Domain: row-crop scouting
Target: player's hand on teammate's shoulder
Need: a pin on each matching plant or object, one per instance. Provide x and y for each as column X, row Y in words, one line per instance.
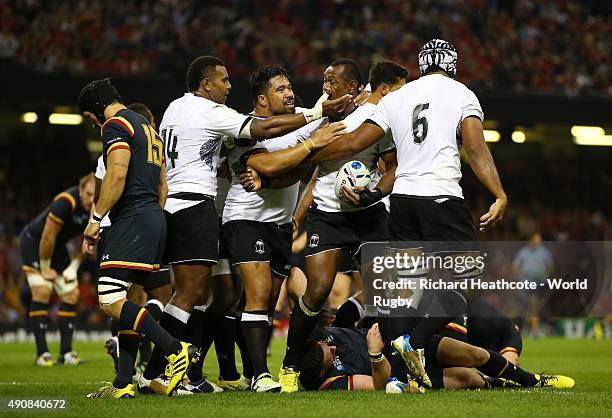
column 362, row 97
column 250, row 180
column 374, row 340
column 327, row 134
column 494, row 215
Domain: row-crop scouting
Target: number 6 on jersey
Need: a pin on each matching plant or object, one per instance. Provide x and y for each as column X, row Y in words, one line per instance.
column 419, row 123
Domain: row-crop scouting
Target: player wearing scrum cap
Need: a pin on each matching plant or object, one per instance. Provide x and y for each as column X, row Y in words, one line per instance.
column 431, row 119
column 193, row 128
column 130, row 192
column 157, row 286
column 332, row 225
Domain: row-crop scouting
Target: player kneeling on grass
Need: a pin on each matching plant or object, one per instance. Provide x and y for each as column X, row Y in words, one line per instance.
column 350, row 359
column 133, row 155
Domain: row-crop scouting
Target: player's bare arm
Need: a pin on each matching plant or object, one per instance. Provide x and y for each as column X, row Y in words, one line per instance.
column 271, row 164
column 163, row 186
column 381, row 369
column 112, row 187
column 359, row 196
column 251, row 181
column 47, row 246
column 350, row 144
column 283, row 124
column 482, row 164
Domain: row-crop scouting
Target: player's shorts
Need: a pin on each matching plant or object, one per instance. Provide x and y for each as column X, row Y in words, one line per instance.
column 424, row 219
column 134, row 243
column 157, row 279
column 193, row 234
column 223, row 264
column 336, row 230
column 28, row 246
column 153, row 281
column 348, row 264
column 252, row 241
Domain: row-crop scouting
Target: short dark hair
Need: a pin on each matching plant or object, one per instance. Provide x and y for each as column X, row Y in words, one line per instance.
column 311, row 364
column 386, row 72
column 351, row 69
column 141, row 109
column 199, row 69
column 260, row 79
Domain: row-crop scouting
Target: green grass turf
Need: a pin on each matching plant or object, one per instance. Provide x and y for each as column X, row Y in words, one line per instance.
column 588, row 361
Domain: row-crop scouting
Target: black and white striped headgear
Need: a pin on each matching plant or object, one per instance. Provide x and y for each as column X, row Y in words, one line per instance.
column 438, row 54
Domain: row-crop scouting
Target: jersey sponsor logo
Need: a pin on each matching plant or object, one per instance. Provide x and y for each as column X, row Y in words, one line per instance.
column 314, row 241
column 259, row 247
column 338, row 364
column 207, row 151
column 106, row 257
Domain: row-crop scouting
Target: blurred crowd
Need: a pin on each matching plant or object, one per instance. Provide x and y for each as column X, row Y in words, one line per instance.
column 563, row 197
column 549, row 46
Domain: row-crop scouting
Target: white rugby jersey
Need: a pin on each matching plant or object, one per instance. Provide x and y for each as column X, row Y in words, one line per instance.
column 324, row 193
column 193, row 129
column 100, row 173
column 265, row 205
column 425, row 118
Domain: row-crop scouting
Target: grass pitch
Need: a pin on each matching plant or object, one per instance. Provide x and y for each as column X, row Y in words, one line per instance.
column 587, row 361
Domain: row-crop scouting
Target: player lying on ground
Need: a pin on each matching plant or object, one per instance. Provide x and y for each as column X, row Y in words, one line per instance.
column 47, row 266
column 353, row 359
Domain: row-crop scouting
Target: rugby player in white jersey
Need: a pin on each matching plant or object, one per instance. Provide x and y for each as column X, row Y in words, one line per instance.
column 193, row 128
column 332, row 225
column 257, row 227
column 431, row 119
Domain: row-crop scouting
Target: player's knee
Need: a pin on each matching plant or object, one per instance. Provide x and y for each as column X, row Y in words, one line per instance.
column 111, row 291
column 71, row 297
column 41, row 293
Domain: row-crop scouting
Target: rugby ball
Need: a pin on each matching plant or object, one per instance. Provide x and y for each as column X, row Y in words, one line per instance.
column 352, row 174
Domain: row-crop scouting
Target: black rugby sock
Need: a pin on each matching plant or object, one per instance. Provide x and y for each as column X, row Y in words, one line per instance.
column 301, row 324
column 39, row 322
column 139, row 320
column 498, row 366
column 155, row 309
column 128, row 349
column 66, row 322
column 255, row 330
column 247, row 365
column 225, row 339
column 173, row 326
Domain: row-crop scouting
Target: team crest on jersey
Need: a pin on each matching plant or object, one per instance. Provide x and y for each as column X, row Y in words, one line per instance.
column 314, row 241
column 207, row 151
column 259, row 247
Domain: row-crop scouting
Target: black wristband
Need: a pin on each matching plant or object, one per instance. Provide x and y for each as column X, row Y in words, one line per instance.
column 96, row 218
column 368, row 197
column 376, row 357
column 265, row 182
